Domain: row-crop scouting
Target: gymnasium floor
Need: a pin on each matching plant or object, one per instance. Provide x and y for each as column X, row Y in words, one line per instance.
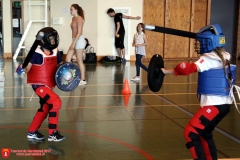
column 100, row 125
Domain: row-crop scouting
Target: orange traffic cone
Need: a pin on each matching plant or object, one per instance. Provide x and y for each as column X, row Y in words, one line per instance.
column 126, row 88
column 126, row 99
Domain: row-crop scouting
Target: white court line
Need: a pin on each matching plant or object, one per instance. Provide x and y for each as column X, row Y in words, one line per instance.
column 2, row 78
column 190, row 114
column 4, row 69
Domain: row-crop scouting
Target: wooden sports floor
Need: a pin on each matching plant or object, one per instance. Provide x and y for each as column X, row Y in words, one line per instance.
column 100, row 124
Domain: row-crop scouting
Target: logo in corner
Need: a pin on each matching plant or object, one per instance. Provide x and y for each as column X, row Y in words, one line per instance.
column 6, row 152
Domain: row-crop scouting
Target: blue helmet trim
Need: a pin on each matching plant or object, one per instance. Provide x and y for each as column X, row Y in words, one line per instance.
column 210, row 37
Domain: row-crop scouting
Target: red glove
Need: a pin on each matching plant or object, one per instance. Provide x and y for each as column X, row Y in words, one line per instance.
column 185, row 68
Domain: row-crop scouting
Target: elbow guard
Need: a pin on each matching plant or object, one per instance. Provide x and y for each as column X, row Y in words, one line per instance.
column 185, row 68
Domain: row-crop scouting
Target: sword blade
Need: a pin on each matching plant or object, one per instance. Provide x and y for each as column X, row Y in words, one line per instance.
column 171, row 31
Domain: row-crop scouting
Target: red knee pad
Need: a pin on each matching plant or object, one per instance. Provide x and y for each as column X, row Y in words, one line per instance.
column 49, row 96
column 185, row 68
column 57, row 103
column 200, row 119
column 189, row 128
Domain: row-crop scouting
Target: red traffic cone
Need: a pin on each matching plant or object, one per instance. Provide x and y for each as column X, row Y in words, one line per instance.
column 126, row 88
column 126, row 99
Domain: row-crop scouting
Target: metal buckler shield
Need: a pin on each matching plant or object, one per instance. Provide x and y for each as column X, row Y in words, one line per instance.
column 155, row 74
column 67, row 76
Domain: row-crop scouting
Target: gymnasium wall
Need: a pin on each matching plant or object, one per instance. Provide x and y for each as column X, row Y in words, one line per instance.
column 106, row 32
column 98, row 27
column 187, row 15
column 35, row 12
column 225, row 14
column 6, row 24
column 238, row 32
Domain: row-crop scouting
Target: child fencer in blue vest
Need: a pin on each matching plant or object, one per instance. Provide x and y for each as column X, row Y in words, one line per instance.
column 216, row 78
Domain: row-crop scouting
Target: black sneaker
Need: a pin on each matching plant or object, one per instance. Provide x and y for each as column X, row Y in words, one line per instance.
column 55, row 136
column 35, row 135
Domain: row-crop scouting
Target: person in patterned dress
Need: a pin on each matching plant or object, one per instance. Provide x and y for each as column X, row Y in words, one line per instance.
column 140, row 43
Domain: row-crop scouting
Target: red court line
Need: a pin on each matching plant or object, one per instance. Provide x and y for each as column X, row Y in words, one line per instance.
column 149, row 157
column 145, row 154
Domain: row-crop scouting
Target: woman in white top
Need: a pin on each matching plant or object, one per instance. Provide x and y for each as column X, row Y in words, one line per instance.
column 139, row 42
column 78, row 42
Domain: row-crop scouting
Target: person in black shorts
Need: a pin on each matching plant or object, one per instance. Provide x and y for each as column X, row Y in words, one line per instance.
column 120, row 31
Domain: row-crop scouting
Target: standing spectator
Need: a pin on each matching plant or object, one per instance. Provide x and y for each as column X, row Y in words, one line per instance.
column 78, row 42
column 139, row 42
column 120, row 31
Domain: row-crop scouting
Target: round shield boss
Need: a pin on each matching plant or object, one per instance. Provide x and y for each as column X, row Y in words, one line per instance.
column 67, row 76
column 155, row 74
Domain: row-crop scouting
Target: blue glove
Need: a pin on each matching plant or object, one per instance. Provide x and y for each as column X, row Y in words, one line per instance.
column 20, row 70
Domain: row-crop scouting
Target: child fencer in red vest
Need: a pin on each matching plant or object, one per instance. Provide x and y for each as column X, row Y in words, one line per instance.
column 215, row 79
column 40, row 74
